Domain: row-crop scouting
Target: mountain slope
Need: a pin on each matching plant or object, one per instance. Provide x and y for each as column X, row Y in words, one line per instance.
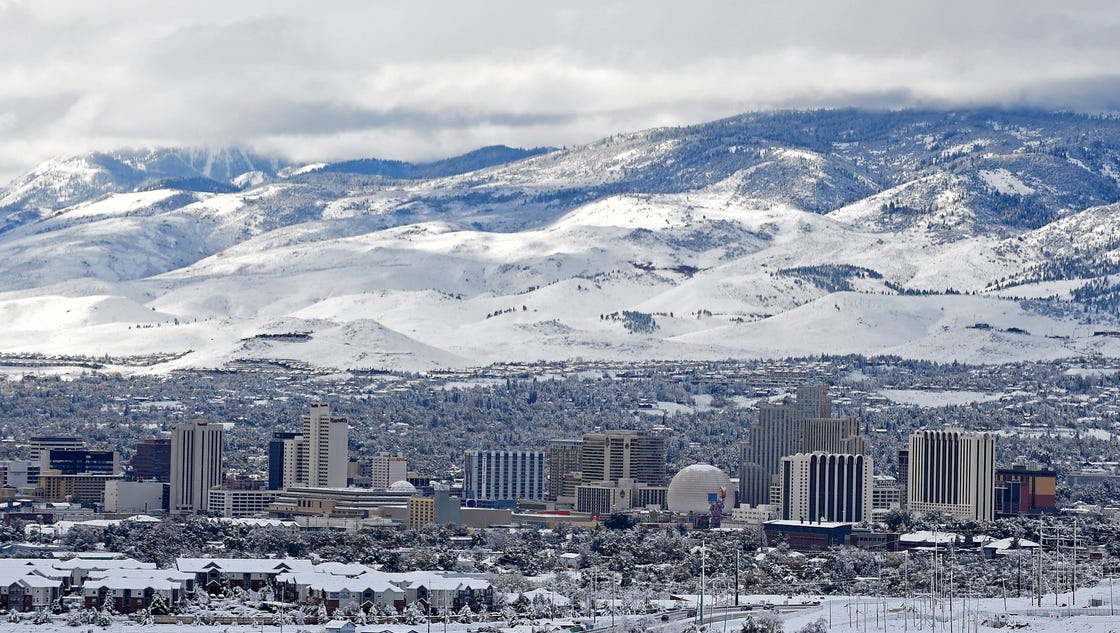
column 760, row 235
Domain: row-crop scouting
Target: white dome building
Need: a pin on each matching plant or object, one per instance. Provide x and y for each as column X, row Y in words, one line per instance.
column 689, row 489
column 401, row 487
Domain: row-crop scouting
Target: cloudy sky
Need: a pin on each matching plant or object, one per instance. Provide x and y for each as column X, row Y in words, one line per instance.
column 419, row 80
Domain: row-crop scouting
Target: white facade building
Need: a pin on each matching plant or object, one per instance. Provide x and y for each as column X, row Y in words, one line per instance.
column 133, row 496
column 196, row 464
column 492, row 475
column 952, row 471
column 826, row 487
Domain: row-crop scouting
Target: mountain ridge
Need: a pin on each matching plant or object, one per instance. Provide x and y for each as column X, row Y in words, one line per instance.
column 765, row 234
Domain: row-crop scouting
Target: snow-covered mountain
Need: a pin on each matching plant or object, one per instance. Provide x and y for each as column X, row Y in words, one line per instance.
column 980, row 236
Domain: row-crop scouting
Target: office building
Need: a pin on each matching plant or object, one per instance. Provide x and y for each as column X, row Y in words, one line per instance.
column 886, row 495
column 83, row 488
column 235, row 502
column 19, row 474
column 276, row 458
column 903, row 475
column 952, row 471
column 616, row 455
column 503, row 475
column 151, row 461
column 75, row 461
column 196, row 465
column 806, row 537
column 563, row 460
column 38, row 443
column 442, row 509
column 386, row 470
column 787, row 428
column 819, row 487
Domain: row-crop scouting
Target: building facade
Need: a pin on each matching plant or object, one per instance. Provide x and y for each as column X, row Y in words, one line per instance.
column 952, row 471
column 75, row 461
column 196, row 464
column 616, row 455
column 151, row 461
column 604, row 498
column 386, row 470
column 787, row 428
column 826, row 487
column 319, row 455
column 276, row 458
column 1025, row 489
column 503, row 475
column 563, row 461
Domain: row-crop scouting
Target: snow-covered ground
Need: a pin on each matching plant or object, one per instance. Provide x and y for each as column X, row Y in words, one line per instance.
column 1057, row 614
column 937, row 398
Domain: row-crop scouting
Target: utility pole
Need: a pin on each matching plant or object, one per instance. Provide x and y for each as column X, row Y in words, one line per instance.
column 737, row 553
column 703, row 579
column 1073, row 581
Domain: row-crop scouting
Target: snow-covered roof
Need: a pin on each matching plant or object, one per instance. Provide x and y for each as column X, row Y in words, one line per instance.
column 371, row 582
column 244, row 565
column 343, row 569
column 79, row 562
column 27, row 575
column 126, row 582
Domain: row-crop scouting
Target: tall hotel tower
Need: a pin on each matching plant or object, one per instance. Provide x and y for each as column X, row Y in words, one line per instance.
column 952, row 471
column 196, row 465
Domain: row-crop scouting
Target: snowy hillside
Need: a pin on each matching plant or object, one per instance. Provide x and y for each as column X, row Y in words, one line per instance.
column 979, row 236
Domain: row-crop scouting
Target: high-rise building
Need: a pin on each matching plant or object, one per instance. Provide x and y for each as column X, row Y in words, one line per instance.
column 623, row 454
column 831, row 487
column 776, row 433
column 903, row 475
column 503, row 475
column 788, row 428
column 40, row 442
column 952, row 471
column 327, row 449
column 563, row 460
column 834, row 435
column 813, row 402
column 318, row 456
column 276, row 458
column 152, row 460
column 386, row 470
column 196, row 464
column 75, row 461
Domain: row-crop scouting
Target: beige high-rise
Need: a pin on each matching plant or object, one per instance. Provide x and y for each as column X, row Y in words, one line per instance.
column 788, row 428
column 196, row 465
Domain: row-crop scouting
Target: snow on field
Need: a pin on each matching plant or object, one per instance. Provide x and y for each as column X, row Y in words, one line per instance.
column 1004, row 182
column 928, row 399
column 1091, row 371
column 1100, row 434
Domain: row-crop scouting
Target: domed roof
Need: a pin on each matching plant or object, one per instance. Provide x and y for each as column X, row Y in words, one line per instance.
column 401, row 486
column 689, row 489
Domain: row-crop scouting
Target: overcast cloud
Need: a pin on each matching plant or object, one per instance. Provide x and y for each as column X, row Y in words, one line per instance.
column 419, row 80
